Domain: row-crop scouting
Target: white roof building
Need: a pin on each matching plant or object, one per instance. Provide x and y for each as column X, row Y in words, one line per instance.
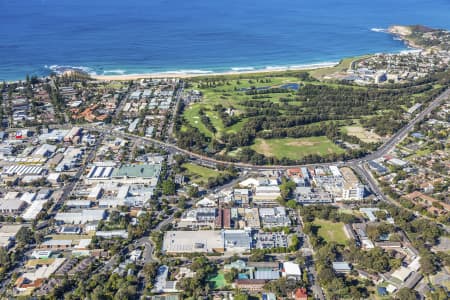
column 205, row 241
column 78, row 203
column 335, row 171
column 33, row 210
column 54, row 178
column 291, row 270
column 12, row 206
column 81, row 217
column 402, row 274
column 54, row 135
column 45, row 150
column 23, row 170
column 415, row 264
column 113, row 233
column 206, row 202
column 28, row 197
column 8, row 234
column 249, row 182
column 391, row 288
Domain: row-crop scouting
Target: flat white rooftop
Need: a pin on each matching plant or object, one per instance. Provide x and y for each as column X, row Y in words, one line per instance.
column 192, row 241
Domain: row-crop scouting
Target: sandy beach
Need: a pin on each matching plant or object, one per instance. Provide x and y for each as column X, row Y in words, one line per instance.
column 190, row 75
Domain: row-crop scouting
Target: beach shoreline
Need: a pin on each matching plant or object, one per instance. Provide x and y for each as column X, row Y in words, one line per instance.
column 184, row 75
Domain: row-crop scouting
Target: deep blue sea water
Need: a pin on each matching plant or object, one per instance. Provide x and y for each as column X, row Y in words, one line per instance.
column 141, row 36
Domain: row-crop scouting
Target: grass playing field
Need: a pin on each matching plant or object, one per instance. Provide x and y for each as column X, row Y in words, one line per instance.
column 331, row 232
column 199, row 174
column 361, row 133
column 295, row 148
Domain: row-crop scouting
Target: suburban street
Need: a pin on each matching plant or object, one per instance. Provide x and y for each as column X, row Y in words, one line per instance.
column 68, row 188
column 308, row 253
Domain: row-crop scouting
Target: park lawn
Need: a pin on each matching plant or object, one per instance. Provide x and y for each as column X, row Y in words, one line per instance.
column 293, row 148
column 331, row 232
column 73, row 237
column 218, row 281
column 200, row 174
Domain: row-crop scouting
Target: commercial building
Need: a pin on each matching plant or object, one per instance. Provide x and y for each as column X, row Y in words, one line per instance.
column 237, row 240
column 266, row 195
column 291, row 271
column 274, row 217
column 241, row 196
column 202, row 241
column 34, row 209
column 12, row 206
column 199, row 217
column 8, row 235
column 112, row 234
column 308, row 195
column 100, row 173
column 137, row 174
column 45, row 151
column 28, row 281
column 72, row 134
column 81, row 217
column 23, row 170
column 353, row 192
column 352, row 189
column 56, row 245
column 268, row 240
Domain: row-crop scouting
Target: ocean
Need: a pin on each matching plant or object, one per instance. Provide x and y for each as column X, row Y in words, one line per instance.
column 198, row 36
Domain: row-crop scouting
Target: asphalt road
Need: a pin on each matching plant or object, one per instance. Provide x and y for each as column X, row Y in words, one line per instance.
column 178, row 96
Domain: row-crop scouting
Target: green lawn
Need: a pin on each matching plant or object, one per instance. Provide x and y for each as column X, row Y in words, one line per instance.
column 295, row 148
column 200, row 174
column 331, row 232
column 218, row 281
column 73, row 237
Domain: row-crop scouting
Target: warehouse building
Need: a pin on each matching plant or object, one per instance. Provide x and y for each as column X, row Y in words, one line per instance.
column 193, row 241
